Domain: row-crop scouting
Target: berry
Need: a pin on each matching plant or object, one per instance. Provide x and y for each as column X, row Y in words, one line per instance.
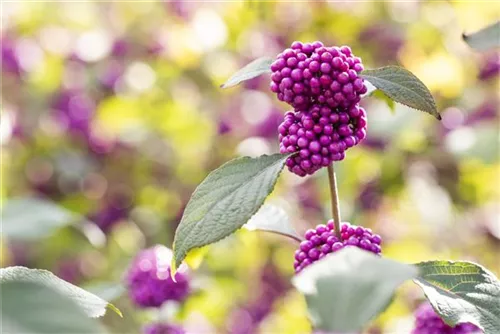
column 308, row 73
column 148, row 278
column 322, row 241
column 320, row 135
column 161, row 328
column 427, row 321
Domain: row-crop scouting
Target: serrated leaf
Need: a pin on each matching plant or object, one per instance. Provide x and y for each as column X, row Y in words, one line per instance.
column 254, row 69
column 484, row 39
column 29, row 307
column 271, row 218
column 402, row 86
column 34, row 218
column 90, row 304
column 462, row 292
column 347, row 289
column 226, row 200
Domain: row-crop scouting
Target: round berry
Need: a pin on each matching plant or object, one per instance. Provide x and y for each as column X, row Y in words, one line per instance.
column 322, row 241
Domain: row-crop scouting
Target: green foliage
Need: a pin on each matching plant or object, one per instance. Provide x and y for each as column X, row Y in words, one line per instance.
column 31, row 307
column 347, row 289
column 34, row 218
column 402, row 86
column 462, row 292
column 226, row 200
column 254, row 69
column 271, row 218
column 484, row 39
column 90, row 304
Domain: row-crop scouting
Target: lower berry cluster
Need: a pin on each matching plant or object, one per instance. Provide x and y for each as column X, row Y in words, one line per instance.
column 322, row 241
column 427, row 321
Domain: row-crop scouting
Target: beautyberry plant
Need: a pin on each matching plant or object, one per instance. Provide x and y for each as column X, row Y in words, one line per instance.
column 334, row 263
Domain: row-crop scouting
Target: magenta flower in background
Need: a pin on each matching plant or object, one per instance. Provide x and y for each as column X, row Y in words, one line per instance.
column 490, row 67
column 428, row 322
column 272, row 286
column 74, row 109
column 161, row 328
column 148, row 278
column 10, row 61
column 109, row 216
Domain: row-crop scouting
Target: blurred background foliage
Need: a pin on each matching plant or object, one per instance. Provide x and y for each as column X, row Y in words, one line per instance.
column 113, row 110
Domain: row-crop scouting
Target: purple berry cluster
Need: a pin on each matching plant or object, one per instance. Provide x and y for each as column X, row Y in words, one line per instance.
column 427, row 321
column 322, row 241
column 161, row 328
column 148, row 278
column 311, row 73
column 323, row 86
column 320, row 135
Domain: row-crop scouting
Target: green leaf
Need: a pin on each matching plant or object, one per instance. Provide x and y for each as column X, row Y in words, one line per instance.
column 271, row 218
column 33, row 218
column 254, row 69
column 347, row 289
column 29, row 307
column 462, row 292
column 402, row 86
column 226, row 200
column 484, row 39
column 90, row 304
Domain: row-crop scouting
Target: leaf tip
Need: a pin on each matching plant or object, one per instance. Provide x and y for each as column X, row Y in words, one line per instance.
column 115, row 309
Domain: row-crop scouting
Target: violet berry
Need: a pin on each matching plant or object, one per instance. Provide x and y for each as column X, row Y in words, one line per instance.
column 322, row 241
column 319, row 136
column 162, row 328
column 148, row 278
column 427, row 321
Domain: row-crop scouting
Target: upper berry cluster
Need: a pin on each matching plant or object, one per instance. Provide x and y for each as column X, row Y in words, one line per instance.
column 323, row 86
column 311, row 73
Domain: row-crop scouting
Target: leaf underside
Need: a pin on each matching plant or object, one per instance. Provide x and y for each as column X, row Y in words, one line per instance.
column 347, row 289
column 91, row 305
column 254, row 69
column 484, row 39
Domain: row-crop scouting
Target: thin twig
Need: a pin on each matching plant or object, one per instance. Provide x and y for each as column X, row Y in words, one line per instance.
column 335, row 200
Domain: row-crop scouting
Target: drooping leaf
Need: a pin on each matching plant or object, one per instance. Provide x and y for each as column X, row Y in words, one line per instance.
column 226, row 200
column 347, row 289
column 271, row 218
column 402, row 86
column 484, row 39
column 34, row 218
column 462, row 292
column 254, row 69
column 90, row 304
column 29, row 307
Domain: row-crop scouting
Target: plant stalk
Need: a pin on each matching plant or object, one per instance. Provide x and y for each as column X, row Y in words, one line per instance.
column 335, row 200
